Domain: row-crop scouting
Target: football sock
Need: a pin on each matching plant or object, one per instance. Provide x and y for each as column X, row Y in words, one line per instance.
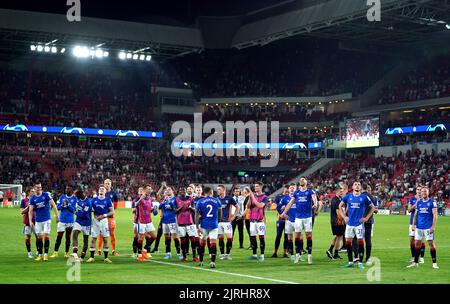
column 194, row 246
column 229, row 245
column 46, row 245
column 39, row 245
column 221, row 245
column 348, row 245
column 201, row 250
column 309, row 244
column 167, row 244
column 422, row 250
column 177, row 245
column 148, row 242
column 135, row 242
column 361, row 250
column 140, row 247
column 416, row 255
column 291, row 247
column 213, row 252
column 331, row 248
column 183, row 247
column 58, row 240
column 28, row 245
column 433, row 254
column 68, row 233
column 92, row 251
column 105, row 252
column 412, row 248
column 262, row 244
column 298, row 250
column 254, row 244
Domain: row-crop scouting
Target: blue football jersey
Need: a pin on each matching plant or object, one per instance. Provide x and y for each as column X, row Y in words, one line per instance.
column 356, row 206
column 84, row 212
column 208, row 208
column 67, row 214
column 168, row 207
column 425, row 213
column 304, row 203
column 41, row 204
column 411, row 202
column 101, row 206
column 226, row 202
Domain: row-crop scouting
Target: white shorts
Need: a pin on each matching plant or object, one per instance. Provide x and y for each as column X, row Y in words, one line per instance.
column 43, row 227
column 27, row 230
column 289, row 227
column 225, row 228
column 304, row 224
column 100, row 227
column 170, row 228
column 411, row 232
column 85, row 229
column 211, row 233
column 61, row 227
column 190, row 230
column 420, row 234
column 352, row 231
column 257, row 228
column 144, row 228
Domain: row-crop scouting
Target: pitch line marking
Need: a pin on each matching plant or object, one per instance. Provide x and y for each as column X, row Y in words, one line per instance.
column 224, row 272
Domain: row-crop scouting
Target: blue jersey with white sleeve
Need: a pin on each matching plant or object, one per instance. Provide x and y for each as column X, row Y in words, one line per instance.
column 425, row 213
column 101, row 206
column 208, row 208
column 84, row 212
column 304, row 203
column 356, row 206
column 41, row 204
column 67, row 206
column 411, row 202
column 168, row 206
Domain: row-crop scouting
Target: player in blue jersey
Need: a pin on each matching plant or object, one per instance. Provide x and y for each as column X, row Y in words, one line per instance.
column 112, row 195
column 305, row 200
column 424, row 226
column 281, row 223
column 82, row 224
column 103, row 209
column 207, row 213
column 169, row 222
column 412, row 202
column 225, row 227
column 354, row 204
column 66, row 206
column 41, row 203
column 289, row 226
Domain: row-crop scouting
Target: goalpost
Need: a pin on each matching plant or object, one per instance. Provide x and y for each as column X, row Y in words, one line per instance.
column 16, row 192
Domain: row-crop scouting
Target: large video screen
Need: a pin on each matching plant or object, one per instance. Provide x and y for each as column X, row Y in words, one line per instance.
column 363, row 132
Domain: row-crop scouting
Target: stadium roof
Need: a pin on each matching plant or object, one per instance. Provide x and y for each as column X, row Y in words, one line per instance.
column 403, row 22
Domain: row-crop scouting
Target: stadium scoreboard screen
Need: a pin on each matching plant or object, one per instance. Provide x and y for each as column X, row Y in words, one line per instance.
column 362, row 132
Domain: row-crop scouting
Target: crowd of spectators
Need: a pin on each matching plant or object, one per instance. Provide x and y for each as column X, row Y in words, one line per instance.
column 430, row 80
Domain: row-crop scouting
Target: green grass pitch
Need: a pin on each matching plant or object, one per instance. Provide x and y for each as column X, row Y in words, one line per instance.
column 390, row 245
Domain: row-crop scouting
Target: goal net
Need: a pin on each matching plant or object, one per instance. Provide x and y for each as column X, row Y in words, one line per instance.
column 10, row 194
